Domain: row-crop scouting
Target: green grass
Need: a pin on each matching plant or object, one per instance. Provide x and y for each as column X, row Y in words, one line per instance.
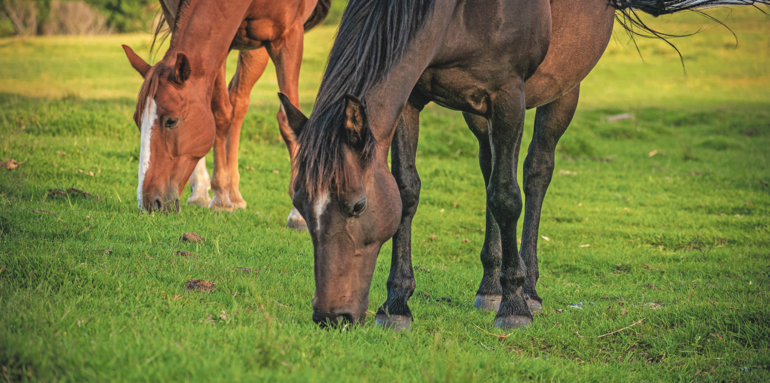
column 679, row 239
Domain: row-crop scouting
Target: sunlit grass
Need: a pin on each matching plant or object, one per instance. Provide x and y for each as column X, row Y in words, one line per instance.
column 678, row 239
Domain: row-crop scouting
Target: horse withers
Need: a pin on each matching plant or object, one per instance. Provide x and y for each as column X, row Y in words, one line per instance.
column 490, row 60
column 181, row 115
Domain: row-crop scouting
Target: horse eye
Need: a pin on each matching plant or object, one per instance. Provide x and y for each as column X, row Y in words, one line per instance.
column 171, row 122
column 359, row 207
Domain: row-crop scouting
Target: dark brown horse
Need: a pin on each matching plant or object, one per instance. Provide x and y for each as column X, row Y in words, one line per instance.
column 490, row 59
column 184, row 107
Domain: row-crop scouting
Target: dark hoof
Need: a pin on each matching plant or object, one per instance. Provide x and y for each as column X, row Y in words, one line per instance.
column 295, row 221
column 512, row 322
column 396, row 323
column 488, row 302
column 534, row 306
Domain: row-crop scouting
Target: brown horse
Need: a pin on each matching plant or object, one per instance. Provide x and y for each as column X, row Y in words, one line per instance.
column 184, row 107
column 490, row 59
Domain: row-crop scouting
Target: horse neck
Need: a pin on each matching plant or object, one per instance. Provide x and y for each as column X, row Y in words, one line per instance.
column 386, row 99
column 204, row 31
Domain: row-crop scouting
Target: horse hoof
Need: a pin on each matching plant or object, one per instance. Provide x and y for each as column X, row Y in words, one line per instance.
column 239, row 205
column 219, row 205
column 295, row 221
column 534, row 306
column 512, row 322
column 202, row 202
column 488, row 302
column 396, row 323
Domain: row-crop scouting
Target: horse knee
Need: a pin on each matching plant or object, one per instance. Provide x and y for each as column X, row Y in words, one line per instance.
column 538, row 170
column 505, row 204
column 409, row 187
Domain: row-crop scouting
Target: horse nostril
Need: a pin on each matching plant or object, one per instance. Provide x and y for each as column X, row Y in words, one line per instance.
column 157, row 204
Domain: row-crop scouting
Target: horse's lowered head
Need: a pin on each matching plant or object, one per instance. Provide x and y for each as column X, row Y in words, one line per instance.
column 176, row 125
column 352, row 206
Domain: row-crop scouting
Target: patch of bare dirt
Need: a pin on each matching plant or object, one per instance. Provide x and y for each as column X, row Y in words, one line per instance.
column 10, row 164
column 192, row 237
column 186, row 254
column 200, row 285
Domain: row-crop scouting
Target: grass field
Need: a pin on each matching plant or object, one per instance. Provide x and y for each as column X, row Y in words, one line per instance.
column 674, row 203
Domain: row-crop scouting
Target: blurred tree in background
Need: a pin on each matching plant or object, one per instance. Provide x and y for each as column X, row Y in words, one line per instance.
column 78, row 17
column 35, row 17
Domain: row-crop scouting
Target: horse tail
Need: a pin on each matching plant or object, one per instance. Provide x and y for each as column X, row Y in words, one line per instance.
column 635, row 26
column 663, row 7
column 319, row 14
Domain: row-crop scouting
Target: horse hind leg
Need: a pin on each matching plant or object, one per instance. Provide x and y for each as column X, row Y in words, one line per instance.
column 200, row 184
column 551, row 121
column 490, row 293
column 287, row 57
column 251, row 65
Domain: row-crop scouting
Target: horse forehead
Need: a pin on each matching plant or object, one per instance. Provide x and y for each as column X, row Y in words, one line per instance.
column 319, row 206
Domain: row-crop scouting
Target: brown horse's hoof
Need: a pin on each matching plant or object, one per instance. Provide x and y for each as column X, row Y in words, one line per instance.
column 199, row 201
column 512, row 322
column 295, row 221
column 221, row 204
column 396, row 323
column 488, row 302
column 239, row 205
column 534, row 306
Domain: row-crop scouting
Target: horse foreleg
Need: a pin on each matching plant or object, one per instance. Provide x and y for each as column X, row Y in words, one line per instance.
column 286, row 54
column 551, row 121
column 200, row 184
column 251, row 65
column 395, row 313
column 490, row 293
column 505, row 203
column 220, row 106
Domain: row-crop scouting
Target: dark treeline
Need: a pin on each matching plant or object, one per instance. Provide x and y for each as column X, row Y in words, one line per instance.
column 89, row 17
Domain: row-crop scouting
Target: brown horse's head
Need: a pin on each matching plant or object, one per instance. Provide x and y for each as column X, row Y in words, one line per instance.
column 176, row 126
column 351, row 209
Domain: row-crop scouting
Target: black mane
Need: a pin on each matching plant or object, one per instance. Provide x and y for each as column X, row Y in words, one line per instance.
column 372, row 37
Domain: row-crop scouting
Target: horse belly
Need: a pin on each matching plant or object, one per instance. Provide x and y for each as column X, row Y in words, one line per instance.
column 580, row 32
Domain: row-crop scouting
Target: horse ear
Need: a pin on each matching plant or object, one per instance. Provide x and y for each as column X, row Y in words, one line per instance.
column 355, row 121
column 296, row 119
column 140, row 65
column 182, row 68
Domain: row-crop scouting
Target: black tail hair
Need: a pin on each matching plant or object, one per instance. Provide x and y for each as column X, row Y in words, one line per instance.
column 664, row 7
column 636, row 27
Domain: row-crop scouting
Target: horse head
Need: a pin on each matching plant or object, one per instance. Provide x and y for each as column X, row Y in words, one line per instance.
column 176, row 126
column 350, row 211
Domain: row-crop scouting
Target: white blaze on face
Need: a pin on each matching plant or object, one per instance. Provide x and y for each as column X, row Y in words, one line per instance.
column 149, row 117
column 320, row 206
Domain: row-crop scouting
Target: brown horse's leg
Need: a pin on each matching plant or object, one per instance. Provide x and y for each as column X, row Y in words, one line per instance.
column 220, row 182
column 200, row 184
column 505, row 203
column 551, row 121
column 287, row 57
column 251, row 65
column 490, row 292
column 395, row 313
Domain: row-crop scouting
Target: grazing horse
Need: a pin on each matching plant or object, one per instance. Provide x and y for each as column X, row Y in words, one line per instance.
column 184, row 107
column 490, row 59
